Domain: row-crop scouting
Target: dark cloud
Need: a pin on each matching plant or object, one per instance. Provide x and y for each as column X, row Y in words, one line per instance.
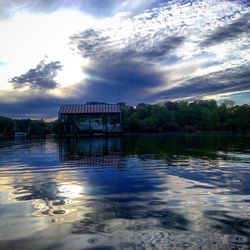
column 35, row 107
column 225, row 81
column 42, row 77
column 114, row 75
column 95, row 45
column 122, row 72
column 232, row 31
column 246, row 3
column 92, row 44
column 163, row 48
column 94, row 7
column 121, row 81
column 131, row 86
column 127, row 66
column 98, row 8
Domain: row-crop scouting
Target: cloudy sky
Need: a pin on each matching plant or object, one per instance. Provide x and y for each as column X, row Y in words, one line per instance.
column 62, row 51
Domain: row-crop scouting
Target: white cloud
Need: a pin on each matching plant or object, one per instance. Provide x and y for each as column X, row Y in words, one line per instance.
column 194, row 21
column 28, row 38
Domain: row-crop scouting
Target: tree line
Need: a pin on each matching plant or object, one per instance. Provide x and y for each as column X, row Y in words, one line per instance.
column 9, row 126
column 187, row 116
column 162, row 117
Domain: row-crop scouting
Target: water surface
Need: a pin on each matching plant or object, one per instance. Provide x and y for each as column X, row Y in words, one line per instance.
column 150, row 192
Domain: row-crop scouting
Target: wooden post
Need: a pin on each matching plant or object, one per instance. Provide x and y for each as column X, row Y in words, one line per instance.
column 89, row 123
column 104, row 123
column 74, row 126
column 121, row 121
column 64, row 124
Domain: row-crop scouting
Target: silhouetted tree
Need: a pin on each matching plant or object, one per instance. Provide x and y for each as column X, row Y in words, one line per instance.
column 203, row 115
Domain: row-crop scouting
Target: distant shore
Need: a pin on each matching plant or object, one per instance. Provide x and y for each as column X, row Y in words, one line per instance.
column 197, row 117
column 131, row 134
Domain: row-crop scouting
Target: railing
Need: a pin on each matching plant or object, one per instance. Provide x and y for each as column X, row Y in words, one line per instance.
column 98, row 127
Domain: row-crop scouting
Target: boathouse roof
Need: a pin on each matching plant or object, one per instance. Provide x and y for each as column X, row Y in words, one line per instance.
column 90, row 109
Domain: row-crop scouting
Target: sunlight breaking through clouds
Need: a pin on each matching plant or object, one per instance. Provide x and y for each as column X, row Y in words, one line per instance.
column 144, row 51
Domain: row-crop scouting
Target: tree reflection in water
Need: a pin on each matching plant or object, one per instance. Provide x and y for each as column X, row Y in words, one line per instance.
column 187, row 191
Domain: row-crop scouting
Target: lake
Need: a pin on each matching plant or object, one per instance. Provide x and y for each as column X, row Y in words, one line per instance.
column 144, row 192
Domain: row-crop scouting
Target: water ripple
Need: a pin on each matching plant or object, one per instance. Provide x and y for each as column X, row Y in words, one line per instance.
column 149, row 193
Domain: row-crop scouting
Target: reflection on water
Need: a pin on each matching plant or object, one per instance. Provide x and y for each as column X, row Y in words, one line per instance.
column 162, row 192
column 92, row 152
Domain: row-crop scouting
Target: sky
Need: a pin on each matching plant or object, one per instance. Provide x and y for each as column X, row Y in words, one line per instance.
column 55, row 52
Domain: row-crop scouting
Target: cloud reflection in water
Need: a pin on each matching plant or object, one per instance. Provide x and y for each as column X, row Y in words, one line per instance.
column 180, row 191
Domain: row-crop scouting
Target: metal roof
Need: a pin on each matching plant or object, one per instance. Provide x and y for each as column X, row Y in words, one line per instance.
column 90, row 109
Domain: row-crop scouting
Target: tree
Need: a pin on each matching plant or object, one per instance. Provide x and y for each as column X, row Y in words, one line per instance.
column 6, row 126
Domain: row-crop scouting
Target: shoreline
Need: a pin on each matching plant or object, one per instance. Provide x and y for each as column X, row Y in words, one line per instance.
column 130, row 134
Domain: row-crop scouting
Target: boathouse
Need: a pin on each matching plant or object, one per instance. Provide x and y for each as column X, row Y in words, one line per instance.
column 90, row 118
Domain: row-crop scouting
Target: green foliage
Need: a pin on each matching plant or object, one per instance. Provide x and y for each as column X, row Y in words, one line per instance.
column 33, row 127
column 163, row 117
column 6, row 126
column 185, row 116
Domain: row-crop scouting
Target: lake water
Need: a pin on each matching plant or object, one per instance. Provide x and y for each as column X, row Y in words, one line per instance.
column 150, row 192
